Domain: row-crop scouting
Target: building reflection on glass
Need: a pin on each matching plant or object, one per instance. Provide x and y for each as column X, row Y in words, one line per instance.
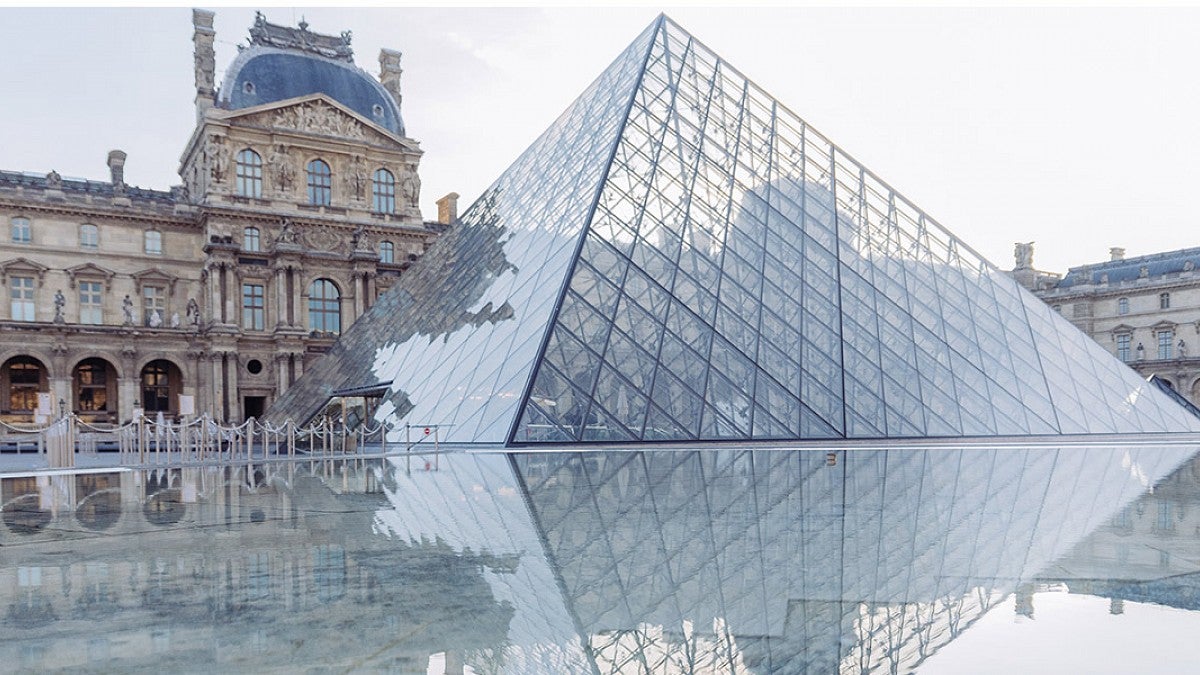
column 731, row 560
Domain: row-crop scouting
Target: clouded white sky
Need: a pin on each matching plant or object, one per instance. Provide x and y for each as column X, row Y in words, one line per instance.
column 1072, row 127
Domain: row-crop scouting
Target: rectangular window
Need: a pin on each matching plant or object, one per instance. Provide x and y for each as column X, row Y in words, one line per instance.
column 1165, row 346
column 153, row 242
column 1123, row 347
column 252, row 306
column 90, row 303
column 154, row 305
column 22, row 233
column 22, row 299
column 89, row 236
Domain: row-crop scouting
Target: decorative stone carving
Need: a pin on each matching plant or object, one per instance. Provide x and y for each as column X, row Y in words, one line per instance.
column 127, row 310
column 323, row 239
column 356, row 177
column 175, row 320
column 217, row 156
column 411, row 188
column 320, row 118
column 274, row 35
column 1024, row 255
column 54, row 181
column 60, row 301
column 287, row 233
column 359, row 241
column 193, row 312
column 282, row 168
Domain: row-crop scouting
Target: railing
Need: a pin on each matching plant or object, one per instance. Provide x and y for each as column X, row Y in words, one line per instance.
column 157, row 442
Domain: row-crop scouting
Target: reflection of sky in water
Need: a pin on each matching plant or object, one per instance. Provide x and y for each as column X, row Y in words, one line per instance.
column 664, row 562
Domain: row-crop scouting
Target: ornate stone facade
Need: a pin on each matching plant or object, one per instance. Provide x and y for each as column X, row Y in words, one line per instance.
column 1145, row 310
column 295, row 213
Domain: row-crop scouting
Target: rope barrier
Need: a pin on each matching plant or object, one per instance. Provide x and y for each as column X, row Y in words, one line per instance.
column 158, row 442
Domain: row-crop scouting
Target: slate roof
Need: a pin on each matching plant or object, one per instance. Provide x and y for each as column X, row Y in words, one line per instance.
column 1129, row 269
column 83, row 186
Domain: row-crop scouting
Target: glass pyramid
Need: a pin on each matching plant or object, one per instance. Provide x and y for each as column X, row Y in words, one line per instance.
column 680, row 257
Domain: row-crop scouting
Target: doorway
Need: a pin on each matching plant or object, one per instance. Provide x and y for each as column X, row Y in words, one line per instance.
column 253, row 406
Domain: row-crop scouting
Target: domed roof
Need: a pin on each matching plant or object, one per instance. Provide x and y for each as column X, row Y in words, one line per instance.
column 262, row 75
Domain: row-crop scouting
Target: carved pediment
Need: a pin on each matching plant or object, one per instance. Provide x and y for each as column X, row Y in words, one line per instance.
column 91, row 271
column 155, row 277
column 25, row 266
column 318, row 115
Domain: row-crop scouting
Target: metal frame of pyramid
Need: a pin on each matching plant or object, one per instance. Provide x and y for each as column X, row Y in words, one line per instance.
column 682, row 258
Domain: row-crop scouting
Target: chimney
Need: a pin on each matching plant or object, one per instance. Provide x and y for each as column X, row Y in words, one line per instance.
column 448, row 209
column 389, row 72
column 116, row 166
column 1116, row 253
column 203, row 37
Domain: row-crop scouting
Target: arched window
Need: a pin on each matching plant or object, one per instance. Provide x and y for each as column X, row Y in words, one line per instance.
column 161, row 381
column 22, row 231
column 387, row 252
column 153, row 242
column 251, row 239
column 320, row 180
column 1123, row 306
column 324, row 307
column 1164, row 301
column 89, row 236
column 383, row 191
column 92, row 379
column 249, row 173
column 24, row 376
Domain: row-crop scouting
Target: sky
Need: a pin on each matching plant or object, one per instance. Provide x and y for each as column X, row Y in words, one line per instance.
column 1072, row 633
column 1074, row 128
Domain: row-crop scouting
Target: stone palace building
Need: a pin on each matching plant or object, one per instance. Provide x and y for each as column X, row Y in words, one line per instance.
column 1145, row 310
column 299, row 206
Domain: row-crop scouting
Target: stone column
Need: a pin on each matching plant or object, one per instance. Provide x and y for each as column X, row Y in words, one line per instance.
column 299, row 359
column 126, row 397
column 128, row 381
column 218, row 385
column 235, row 396
column 356, row 306
column 196, row 389
column 372, row 289
column 60, row 390
column 231, row 292
column 281, row 308
column 281, row 373
column 295, row 297
column 214, row 293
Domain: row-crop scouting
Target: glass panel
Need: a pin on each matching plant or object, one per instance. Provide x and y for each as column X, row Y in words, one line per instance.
column 696, row 260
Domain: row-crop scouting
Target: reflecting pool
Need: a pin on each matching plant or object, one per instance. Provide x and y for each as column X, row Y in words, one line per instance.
column 717, row 561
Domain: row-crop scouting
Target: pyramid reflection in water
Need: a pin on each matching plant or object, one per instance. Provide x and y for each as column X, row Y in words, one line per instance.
column 680, row 257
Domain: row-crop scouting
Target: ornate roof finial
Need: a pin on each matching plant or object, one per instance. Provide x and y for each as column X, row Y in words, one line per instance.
column 303, row 24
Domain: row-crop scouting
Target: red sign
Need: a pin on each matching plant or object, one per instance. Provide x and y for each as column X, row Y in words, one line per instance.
column 426, row 431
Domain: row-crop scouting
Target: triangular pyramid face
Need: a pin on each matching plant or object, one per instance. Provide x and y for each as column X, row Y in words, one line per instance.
column 680, row 257
column 458, row 335
column 744, row 278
